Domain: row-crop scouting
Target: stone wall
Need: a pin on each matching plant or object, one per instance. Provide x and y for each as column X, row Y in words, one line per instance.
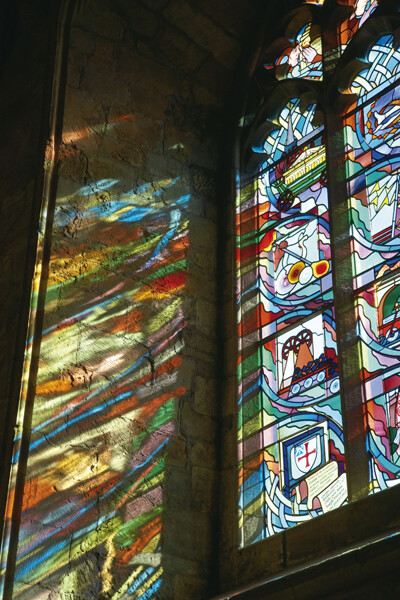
column 121, row 489
column 28, row 35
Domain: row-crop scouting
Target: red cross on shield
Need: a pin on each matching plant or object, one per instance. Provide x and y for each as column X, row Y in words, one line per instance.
column 305, row 454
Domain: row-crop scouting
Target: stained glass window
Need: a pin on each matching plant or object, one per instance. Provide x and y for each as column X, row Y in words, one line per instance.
column 362, row 9
column 302, row 59
column 372, row 137
column 293, row 400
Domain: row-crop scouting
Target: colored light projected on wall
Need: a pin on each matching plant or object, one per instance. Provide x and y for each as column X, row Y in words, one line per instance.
column 372, row 136
column 290, row 439
column 106, row 396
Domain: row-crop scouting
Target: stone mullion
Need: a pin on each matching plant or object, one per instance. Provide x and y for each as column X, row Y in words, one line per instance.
column 346, row 324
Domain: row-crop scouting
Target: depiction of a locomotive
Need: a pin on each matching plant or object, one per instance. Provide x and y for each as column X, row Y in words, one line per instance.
column 301, row 370
column 307, row 169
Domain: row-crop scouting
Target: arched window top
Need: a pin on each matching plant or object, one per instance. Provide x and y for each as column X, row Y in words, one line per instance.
column 382, row 70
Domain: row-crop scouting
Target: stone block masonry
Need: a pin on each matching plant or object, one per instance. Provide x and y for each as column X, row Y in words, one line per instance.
column 120, row 496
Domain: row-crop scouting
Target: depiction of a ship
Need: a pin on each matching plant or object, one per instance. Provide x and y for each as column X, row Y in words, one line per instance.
column 382, row 202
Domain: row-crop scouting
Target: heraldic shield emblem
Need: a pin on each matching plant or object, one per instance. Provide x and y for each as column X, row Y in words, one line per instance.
column 305, row 454
column 302, row 454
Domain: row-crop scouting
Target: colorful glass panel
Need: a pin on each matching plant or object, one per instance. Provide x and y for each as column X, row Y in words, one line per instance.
column 383, row 69
column 291, row 440
column 303, row 59
column 372, row 137
column 362, row 11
